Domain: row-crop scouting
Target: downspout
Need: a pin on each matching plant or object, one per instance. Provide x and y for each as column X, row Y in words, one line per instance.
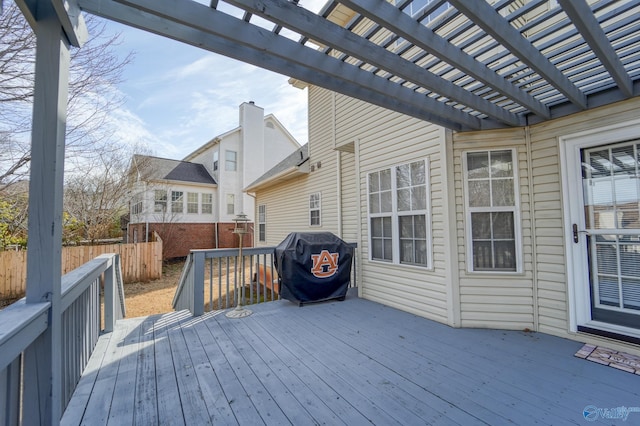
column 146, row 232
column 534, row 246
column 339, row 190
column 338, row 165
column 216, row 229
column 358, row 254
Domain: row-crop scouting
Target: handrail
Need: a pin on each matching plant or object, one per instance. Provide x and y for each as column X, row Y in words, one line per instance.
column 257, row 271
column 22, row 324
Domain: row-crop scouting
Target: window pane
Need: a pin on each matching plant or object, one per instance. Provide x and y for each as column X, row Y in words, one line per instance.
column 505, row 255
column 420, row 226
column 406, row 226
column 479, row 193
column 374, row 182
column 386, row 227
column 406, row 251
column 376, row 249
column 385, row 201
column 482, row 258
column 503, row 225
column 421, row 252
column 404, row 199
column 418, row 198
column 374, row 203
column 501, row 163
column 478, row 165
column 403, row 176
column 502, row 192
column 376, row 227
column 418, row 173
column 624, row 160
column 600, row 164
column 315, row 217
column 385, row 180
column 481, row 226
column 387, row 249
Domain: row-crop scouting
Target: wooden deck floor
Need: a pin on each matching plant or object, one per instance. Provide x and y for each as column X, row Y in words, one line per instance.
column 353, row 362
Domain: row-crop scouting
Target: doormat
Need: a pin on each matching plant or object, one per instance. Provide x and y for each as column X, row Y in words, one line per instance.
column 620, row 360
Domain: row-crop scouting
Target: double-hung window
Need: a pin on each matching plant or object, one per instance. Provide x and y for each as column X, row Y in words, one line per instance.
column 231, row 204
column 230, row 161
column 192, row 202
column 262, row 222
column 160, row 201
column 492, row 211
column 399, row 217
column 207, row 203
column 314, row 209
column 177, row 204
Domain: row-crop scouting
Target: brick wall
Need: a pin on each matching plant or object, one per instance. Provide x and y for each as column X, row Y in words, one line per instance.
column 179, row 238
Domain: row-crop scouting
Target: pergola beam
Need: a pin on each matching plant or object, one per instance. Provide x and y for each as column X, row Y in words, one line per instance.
column 486, row 17
column 68, row 14
column 584, row 20
column 217, row 32
column 400, row 23
column 312, row 26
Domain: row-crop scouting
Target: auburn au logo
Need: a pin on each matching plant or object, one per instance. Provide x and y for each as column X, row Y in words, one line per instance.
column 325, row 264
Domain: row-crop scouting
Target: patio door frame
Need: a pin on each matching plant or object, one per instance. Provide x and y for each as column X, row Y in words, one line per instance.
column 577, row 264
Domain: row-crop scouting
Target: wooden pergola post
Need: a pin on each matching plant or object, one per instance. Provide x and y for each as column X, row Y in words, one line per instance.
column 57, row 24
column 43, row 360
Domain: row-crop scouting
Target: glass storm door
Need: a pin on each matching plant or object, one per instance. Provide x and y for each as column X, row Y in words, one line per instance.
column 611, row 190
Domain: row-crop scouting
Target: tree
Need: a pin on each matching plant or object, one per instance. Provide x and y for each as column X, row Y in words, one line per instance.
column 95, row 71
column 95, row 198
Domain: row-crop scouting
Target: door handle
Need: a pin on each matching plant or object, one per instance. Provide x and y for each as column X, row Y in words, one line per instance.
column 575, row 233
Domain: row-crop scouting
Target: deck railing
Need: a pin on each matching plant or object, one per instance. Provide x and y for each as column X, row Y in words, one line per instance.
column 22, row 324
column 211, row 279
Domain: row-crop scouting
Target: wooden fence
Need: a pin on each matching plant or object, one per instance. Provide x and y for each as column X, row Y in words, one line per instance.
column 140, row 262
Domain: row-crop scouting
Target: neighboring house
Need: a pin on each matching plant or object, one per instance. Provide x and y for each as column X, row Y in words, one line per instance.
column 175, row 199
column 526, row 228
column 192, row 203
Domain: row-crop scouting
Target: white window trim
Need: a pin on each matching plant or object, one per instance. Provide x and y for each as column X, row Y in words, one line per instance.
column 395, row 222
column 318, row 209
column 517, row 224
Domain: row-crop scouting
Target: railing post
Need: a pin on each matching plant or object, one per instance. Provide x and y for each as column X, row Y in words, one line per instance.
column 198, row 283
column 109, row 298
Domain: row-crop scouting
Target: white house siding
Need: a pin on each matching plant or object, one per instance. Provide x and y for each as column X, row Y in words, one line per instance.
column 385, row 138
column 495, row 300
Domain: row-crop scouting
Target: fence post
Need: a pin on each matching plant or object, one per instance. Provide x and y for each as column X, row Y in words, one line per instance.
column 198, row 283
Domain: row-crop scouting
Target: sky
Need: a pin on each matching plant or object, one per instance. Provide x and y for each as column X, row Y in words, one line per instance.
column 178, row 97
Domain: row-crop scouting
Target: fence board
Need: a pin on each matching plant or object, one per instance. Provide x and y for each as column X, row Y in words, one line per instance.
column 140, row 262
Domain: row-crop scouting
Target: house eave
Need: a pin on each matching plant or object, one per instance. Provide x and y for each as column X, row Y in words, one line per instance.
column 299, row 170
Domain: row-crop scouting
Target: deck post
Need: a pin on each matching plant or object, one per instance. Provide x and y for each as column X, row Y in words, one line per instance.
column 109, row 297
column 198, row 283
column 43, row 359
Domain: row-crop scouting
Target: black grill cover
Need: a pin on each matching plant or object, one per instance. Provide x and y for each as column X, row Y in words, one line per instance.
column 313, row 266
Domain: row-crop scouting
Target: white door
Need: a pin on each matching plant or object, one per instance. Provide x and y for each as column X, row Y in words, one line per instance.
column 601, row 183
column 611, row 197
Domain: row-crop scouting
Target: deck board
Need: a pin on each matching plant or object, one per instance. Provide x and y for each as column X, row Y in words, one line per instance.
column 353, row 362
